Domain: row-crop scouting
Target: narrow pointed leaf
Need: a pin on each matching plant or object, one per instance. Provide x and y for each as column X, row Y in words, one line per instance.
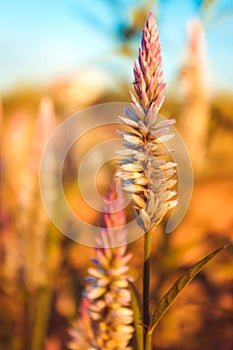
column 177, row 288
column 137, row 310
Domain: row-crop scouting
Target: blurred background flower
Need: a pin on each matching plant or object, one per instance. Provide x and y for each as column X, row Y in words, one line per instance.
column 106, row 316
column 78, row 54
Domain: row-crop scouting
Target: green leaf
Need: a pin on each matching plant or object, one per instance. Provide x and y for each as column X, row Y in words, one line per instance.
column 137, row 310
column 177, row 288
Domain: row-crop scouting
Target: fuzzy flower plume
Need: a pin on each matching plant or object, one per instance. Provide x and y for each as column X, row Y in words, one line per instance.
column 107, row 294
column 145, row 169
column 33, row 220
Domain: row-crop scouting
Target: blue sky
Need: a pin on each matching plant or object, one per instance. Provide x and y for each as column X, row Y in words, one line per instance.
column 42, row 40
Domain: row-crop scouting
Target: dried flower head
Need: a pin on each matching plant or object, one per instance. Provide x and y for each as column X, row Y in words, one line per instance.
column 145, row 171
column 107, row 290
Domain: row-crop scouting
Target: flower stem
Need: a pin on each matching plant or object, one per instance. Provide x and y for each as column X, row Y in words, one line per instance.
column 148, row 344
column 146, row 288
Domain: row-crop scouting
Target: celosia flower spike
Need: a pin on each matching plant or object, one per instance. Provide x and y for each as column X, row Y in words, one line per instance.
column 144, row 169
column 107, row 291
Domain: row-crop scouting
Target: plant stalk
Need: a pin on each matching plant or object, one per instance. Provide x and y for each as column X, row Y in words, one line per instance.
column 146, row 289
column 42, row 314
column 148, row 341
